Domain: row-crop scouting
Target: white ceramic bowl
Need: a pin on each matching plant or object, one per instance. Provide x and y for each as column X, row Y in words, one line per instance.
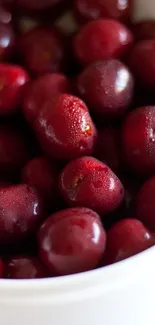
column 120, row 294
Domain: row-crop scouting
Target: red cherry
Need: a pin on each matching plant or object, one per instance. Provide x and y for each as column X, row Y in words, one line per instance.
column 107, row 87
column 65, row 129
column 43, row 50
column 102, row 39
column 125, row 239
column 88, row 182
column 7, row 41
column 12, row 80
column 42, row 174
column 141, row 62
column 138, row 140
column 42, row 89
column 95, row 9
column 145, row 206
column 25, row 267
column 107, row 147
column 5, row 15
column 14, row 151
column 72, row 241
column 21, row 212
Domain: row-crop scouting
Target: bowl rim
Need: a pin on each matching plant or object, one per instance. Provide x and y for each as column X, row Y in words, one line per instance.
column 107, row 275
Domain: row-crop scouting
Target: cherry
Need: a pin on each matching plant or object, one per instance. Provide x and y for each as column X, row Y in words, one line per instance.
column 65, row 129
column 25, row 267
column 5, row 15
column 88, row 182
column 21, row 212
column 107, row 147
column 7, row 41
column 42, row 174
column 125, row 239
column 43, row 50
column 14, row 151
column 72, row 241
column 12, row 80
column 42, row 89
column 107, row 87
column 141, row 61
column 102, row 39
column 144, row 30
column 145, row 206
column 138, row 140
column 94, row 9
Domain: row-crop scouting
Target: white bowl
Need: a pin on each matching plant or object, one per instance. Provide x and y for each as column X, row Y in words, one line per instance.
column 120, row 294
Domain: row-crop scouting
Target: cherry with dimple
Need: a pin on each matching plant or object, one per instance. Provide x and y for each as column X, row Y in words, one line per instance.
column 88, row 182
column 72, row 241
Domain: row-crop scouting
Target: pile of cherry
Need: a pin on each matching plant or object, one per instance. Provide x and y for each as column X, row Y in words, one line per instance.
column 77, row 136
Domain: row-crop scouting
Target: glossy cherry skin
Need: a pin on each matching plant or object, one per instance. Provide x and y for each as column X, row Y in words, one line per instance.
column 125, row 239
column 94, row 9
column 7, row 42
column 43, row 50
column 107, row 87
column 138, row 140
column 12, row 80
column 42, row 89
column 145, row 205
column 14, row 151
column 25, row 267
column 107, row 147
column 65, row 129
column 21, row 213
column 42, row 174
column 88, row 182
column 100, row 40
column 72, row 241
column 141, row 61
